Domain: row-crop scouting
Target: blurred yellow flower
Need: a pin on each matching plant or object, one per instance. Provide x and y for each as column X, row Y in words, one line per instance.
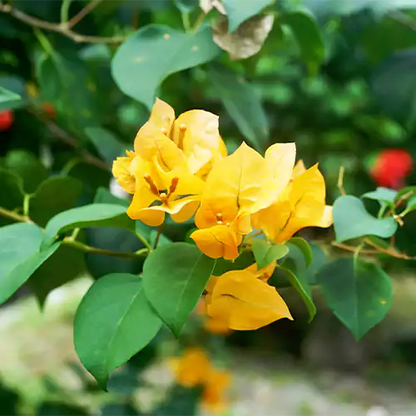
column 242, row 299
column 194, row 369
column 123, row 173
column 302, row 204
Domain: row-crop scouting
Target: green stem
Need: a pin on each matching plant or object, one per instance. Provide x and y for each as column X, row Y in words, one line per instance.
column 144, row 241
column 198, row 22
column 65, row 11
column 68, row 241
column 44, row 41
column 185, row 21
column 26, row 203
column 14, row 216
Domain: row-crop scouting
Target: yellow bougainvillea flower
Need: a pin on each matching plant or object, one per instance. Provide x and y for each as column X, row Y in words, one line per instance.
column 122, row 171
column 192, row 139
column 218, row 381
column 192, row 368
column 175, row 191
column 301, row 205
column 242, row 300
column 237, row 186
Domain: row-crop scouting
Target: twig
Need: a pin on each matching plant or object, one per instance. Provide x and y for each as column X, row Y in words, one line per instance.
column 61, row 28
column 87, row 9
column 159, row 232
column 69, row 140
column 14, row 216
column 390, row 251
column 340, row 183
column 403, row 19
column 353, row 249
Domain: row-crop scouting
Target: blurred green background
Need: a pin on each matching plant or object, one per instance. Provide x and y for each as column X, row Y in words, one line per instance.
column 337, row 77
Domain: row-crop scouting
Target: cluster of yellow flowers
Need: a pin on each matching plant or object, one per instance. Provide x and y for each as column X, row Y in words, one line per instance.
column 193, row 369
column 181, row 167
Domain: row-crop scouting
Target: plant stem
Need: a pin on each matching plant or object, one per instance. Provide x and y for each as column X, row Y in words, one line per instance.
column 14, row 216
column 65, row 10
column 79, row 16
column 26, row 202
column 159, row 232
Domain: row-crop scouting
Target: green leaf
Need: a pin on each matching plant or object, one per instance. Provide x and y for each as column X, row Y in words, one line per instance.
column 244, row 260
column 174, row 278
column 60, row 78
column 28, row 167
column 238, row 11
column 20, row 256
column 243, row 105
column 304, row 247
column 116, row 312
column 106, row 143
column 393, row 85
column 9, row 99
column 351, row 220
column 301, row 285
column 104, row 196
column 53, row 409
column 93, row 215
column 308, row 37
column 65, row 265
column 118, row 409
column 265, row 253
column 56, row 194
column 384, row 196
column 359, row 294
column 153, row 53
column 11, row 185
column 411, row 204
column 408, row 191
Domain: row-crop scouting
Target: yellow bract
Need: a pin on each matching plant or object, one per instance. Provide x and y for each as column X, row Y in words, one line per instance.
column 242, row 299
column 301, row 205
column 194, row 369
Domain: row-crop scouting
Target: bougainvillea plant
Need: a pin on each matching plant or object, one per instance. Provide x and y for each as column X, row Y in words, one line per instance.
column 242, row 210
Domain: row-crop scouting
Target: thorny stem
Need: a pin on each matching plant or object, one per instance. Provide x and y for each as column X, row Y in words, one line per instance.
column 71, row 242
column 62, row 28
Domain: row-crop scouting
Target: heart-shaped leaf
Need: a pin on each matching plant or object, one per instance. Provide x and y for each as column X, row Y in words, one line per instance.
column 174, row 277
column 384, row 196
column 351, row 220
column 154, row 52
column 359, row 293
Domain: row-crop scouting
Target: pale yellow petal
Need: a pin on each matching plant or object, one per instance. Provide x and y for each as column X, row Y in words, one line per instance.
column 150, row 142
column 123, row 174
column 326, row 219
column 281, row 156
column 196, row 133
column 162, row 116
column 218, row 241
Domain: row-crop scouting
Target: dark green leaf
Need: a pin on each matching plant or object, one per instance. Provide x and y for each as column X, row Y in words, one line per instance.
column 93, row 215
column 265, row 253
column 394, row 84
column 20, row 256
column 121, row 409
column 64, row 265
column 351, row 220
column 243, row 105
column 28, row 167
column 384, row 196
column 11, row 186
column 8, row 99
column 304, row 247
column 308, row 37
column 106, row 143
column 153, row 53
column 115, row 310
column 301, row 285
column 359, row 294
column 180, row 401
column 244, row 260
column 61, row 409
column 56, row 194
column 239, row 11
column 185, row 271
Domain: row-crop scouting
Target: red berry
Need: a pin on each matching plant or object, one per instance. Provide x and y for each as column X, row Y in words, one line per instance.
column 391, row 168
column 6, row 120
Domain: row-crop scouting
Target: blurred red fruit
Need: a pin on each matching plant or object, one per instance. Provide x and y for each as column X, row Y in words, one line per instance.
column 49, row 110
column 6, row 120
column 391, row 167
